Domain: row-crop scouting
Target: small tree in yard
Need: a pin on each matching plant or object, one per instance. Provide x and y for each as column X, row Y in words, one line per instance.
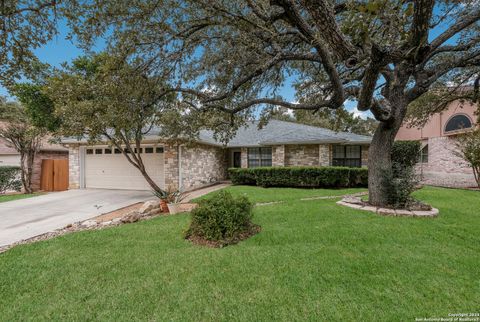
column 106, row 98
column 234, row 56
column 17, row 130
column 468, row 146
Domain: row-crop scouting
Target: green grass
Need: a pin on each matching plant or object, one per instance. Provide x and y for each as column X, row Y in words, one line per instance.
column 5, row 198
column 313, row 260
column 258, row 194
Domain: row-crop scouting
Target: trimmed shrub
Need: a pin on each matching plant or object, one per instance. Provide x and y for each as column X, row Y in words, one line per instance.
column 242, row 176
column 401, row 181
column 405, row 153
column 9, row 179
column 221, row 220
column 302, row 177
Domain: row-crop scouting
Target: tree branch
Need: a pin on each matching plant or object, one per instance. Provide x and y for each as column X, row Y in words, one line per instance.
column 461, row 23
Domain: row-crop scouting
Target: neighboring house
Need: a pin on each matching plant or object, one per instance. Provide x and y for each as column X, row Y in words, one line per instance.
column 10, row 157
column 192, row 166
column 438, row 164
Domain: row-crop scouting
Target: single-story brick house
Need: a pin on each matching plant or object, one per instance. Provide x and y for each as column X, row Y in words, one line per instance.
column 438, row 164
column 278, row 143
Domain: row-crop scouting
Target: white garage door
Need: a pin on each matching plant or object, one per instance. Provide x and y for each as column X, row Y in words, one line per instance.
column 108, row 168
column 9, row 159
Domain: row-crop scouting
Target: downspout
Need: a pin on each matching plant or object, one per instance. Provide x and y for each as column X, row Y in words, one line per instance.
column 81, row 161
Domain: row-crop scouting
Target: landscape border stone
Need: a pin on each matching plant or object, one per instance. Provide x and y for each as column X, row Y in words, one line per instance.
column 389, row 211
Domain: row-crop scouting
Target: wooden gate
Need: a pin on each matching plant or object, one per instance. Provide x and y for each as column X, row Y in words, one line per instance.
column 54, row 175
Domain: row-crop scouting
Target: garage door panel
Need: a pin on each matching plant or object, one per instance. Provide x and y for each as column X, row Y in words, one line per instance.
column 113, row 171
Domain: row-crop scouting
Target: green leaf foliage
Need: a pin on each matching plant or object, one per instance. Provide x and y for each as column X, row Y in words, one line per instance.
column 9, row 179
column 39, row 107
column 405, row 153
column 468, row 148
column 306, row 177
column 222, row 218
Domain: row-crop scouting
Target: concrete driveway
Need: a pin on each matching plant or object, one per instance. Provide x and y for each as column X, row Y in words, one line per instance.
column 26, row 218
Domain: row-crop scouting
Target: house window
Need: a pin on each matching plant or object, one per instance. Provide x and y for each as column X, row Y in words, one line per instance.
column 117, row 151
column 98, row 151
column 159, row 149
column 458, row 122
column 347, row 156
column 259, row 157
column 148, row 150
column 424, row 155
column 136, row 150
column 108, row 151
column 89, row 151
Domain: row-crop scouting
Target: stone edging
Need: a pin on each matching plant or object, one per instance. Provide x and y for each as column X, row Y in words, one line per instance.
column 391, row 212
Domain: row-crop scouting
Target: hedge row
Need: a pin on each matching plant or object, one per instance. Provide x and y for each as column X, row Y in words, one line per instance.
column 306, row 177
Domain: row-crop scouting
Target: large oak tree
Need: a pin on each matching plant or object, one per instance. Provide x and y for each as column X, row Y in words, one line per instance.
column 236, row 55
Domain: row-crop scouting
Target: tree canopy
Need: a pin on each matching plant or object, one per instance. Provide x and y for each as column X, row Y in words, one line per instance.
column 108, row 99
column 233, row 55
column 25, row 25
column 38, row 105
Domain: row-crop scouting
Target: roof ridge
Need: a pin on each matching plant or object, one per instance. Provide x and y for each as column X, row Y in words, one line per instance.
column 315, row 127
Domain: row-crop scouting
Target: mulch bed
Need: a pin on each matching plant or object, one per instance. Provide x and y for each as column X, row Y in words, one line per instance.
column 251, row 231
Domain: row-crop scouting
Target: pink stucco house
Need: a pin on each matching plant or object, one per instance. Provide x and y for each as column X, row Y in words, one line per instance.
column 438, row 164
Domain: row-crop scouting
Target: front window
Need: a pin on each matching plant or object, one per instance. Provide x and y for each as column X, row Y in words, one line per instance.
column 457, row 123
column 347, row 156
column 259, row 157
column 424, row 155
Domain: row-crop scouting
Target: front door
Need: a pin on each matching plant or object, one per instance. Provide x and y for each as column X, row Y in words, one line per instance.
column 237, row 159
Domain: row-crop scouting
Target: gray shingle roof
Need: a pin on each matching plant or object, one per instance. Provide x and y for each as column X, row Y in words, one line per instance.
column 274, row 132
column 281, row 132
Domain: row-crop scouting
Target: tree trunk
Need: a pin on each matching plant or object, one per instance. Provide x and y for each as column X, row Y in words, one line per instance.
column 26, row 169
column 379, row 155
column 30, row 161
column 379, row 163
column 136, row 161
column 150, row 181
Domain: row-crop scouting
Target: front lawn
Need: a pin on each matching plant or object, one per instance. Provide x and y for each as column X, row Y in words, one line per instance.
column 5, row 198
column 313, row 260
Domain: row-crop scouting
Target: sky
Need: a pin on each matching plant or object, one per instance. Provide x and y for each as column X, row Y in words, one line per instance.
column 60, row 50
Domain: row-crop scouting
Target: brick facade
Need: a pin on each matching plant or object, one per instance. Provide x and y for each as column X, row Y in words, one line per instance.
column 74, row 166
column 170, row 154
column 364, row 155
column 244, row 157
column 278, row 156
column 444, row 168
column 202, row 165
column 302, row 155
column 37, row 165
column 324, row 155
